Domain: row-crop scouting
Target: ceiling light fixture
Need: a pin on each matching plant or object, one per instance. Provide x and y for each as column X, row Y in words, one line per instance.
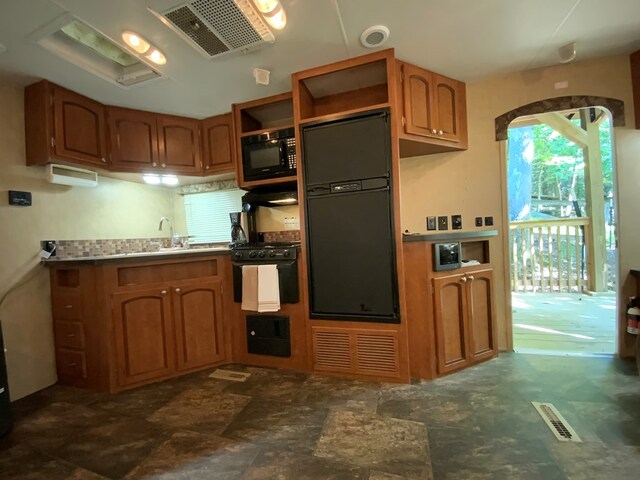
column 567, row 53
column 143, row 47
column 169, row 180
column 151, row 178
column 135, row 41
column 272, row 12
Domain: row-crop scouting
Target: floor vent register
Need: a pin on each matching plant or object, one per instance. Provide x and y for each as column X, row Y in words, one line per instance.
column 556, row 422
column 229, row 375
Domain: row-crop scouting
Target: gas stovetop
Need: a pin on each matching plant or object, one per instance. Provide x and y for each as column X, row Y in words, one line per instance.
column 257, row 252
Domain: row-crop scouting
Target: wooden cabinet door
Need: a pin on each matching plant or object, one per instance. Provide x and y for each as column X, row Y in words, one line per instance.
column 79, row 128
column 450, row 311
column 218, row 152
column 179, row 145
column 449, row 98
column 197, row 313
column 144, row 336
column 133, row 136
column 419, row 107
column 482, row 330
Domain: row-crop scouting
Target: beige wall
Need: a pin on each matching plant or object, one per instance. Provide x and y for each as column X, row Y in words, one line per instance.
column 272, row 219
column 115, row 209
column 472, row 183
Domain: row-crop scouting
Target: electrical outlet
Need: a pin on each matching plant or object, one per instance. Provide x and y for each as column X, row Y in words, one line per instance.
column 456, row 222
column 478, row 221
column 443, row 223
column 431, row 223
column 488, row 221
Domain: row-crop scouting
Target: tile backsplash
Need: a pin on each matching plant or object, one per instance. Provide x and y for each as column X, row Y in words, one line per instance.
column 112, row 246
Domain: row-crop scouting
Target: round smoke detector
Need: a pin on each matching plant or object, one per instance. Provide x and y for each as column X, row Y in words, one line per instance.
column 374, row 36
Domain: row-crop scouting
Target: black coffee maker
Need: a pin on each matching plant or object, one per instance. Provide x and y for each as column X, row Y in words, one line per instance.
column 238, row 236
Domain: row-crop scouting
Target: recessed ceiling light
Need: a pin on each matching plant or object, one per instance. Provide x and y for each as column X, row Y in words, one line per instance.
column 135, row 41
column 157, row 57
column 272, row 12
column 567, row 53
column 266, row 6
column 375, row 36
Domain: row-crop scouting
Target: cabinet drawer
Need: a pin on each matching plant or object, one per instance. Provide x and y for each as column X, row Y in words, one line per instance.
column 71, row 364
column 67, row 306
column 69, row 334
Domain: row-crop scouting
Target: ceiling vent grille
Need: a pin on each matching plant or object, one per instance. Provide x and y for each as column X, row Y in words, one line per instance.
column 216, row 27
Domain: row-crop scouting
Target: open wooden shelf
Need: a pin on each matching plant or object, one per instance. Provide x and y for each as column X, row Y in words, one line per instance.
column 349, row 86
column 335, row 116
column 269, row 113
column 265, row 130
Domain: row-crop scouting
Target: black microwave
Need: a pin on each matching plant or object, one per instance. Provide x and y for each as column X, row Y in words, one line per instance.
column 269, row 155
column 446, row 256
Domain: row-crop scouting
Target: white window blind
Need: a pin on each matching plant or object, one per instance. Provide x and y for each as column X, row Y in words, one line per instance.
column 208, row 214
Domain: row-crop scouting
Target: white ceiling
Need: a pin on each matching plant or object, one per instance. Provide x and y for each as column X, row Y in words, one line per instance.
column 464, row 39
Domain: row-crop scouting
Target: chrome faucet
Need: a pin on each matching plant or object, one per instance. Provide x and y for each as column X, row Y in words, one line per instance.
column 166, row 219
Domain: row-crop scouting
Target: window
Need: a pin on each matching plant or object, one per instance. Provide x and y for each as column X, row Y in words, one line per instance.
column 208, row 214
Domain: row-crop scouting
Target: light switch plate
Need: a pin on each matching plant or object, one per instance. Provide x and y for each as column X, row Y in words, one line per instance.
column 488, row 221
column 443, row 223
column 431, row 223
column 478, row 221
column 291, row 223
column 456, row 222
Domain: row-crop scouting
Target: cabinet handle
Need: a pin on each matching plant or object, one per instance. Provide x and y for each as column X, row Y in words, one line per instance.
column 71, row 364
column 70, row 335
column 470, row 277
column 163, row 292
column 440, row 132
column 154, row 164
column 68, row 306
column 178, row 290
column 463, row 279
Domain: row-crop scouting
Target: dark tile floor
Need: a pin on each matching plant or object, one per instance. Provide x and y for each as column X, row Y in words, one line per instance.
column 477, row 424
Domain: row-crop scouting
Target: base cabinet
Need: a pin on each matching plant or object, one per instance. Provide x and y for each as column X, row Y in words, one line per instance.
column 119, row 325
column 464, row 319
column 197, row 316
column 144, row 338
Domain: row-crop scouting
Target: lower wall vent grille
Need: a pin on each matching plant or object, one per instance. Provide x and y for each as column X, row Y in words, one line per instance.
column 331, row 350
column 377, row 353
column 556, row 422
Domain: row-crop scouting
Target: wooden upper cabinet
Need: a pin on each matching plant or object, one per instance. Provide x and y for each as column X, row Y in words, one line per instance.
column 133, row 136
column 418, row 101
column 179, row 145
column 434, row 108
column 218, row 149
column 144, row 336
column 197, row 313
column 61, row 125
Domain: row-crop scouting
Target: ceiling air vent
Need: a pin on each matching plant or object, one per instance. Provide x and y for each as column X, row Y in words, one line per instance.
column 215, row 27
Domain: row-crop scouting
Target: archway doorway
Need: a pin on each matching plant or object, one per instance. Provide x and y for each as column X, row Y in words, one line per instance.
column 562, row 232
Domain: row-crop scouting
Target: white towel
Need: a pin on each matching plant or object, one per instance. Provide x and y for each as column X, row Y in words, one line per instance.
column 250, row 287
column 268, row 288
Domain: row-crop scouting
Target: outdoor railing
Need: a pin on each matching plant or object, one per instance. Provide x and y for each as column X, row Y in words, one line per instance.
column 549, row 255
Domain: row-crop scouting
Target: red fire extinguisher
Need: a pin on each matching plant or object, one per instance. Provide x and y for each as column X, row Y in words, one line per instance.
column 633, row 317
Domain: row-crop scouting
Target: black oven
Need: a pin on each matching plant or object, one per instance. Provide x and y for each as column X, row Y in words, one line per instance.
column 283, row 256
column 269, row 155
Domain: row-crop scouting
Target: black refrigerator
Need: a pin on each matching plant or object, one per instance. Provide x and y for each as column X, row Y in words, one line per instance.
column 349, row 216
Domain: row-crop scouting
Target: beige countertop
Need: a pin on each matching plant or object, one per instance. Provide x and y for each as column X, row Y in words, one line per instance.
column 163, row 253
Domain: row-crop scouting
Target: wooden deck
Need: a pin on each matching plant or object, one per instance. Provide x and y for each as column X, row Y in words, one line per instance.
column 565, row 323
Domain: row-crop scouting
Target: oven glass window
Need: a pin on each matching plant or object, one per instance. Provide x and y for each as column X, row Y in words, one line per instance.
column 265, row 157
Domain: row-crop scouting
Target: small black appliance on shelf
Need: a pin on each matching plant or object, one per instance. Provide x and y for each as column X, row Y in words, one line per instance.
column 269, row 155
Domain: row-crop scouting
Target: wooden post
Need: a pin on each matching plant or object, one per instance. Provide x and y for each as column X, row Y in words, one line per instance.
column 594, row 190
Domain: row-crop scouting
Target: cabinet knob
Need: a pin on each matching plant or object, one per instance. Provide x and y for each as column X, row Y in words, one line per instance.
column 178, row 290
column 470, row 277
column 463, row 279
column 70, row 335
column 104, row 160
column 440, row 132
column 207, row 167
column 434, row 131
column 154, row 164
column 163, row 292
column 164, row 165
